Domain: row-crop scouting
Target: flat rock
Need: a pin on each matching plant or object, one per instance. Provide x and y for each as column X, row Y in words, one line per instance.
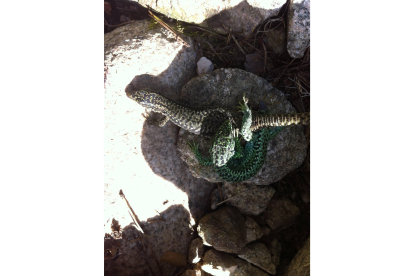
column 140, row 159
column 225, row 88
column 298, row 36
column 280, row 213
column 220, row 263
column 247, row 198
column 223, row 229
column 133, row 261
column 253, row 230
column 257, row 253
column 244, row 268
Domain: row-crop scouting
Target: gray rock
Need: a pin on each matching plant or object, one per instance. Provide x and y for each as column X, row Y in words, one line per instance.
column 298, row 38
column 223, row 229
column 257, row 253
column 255, row 64
column 196, row 271
column 253, row 230
column 225, row 88
column 275, row 249
column 142, row 160
column 281, row 213
column 276, row 39
column 300, row 265
column 246, row 269
column 265, row 230
column 216, row 262
column 215, row 14
column 220, row 263
column 204, row 65
column 195, row 251
column 132, row 260
column 248, row 199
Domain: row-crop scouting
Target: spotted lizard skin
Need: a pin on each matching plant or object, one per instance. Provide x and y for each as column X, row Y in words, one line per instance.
column 206, row 121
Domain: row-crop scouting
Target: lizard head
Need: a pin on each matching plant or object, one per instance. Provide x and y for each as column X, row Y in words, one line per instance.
column 144, row 98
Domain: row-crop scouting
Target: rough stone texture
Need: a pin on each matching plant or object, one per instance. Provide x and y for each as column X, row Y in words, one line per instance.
column 142, row 160
column 216, row 262
column 280, row 213
column 253, row 230
column 250, row 199
column 204, row 65
column 195, row 251
column 246, row 269
column 275, row 249
column 134, row 261
column 225, row 88
column 220, row 263
column 216, row 198
column 300, row 265
column 196, row 271
column 214, row 14
column 265, row 230
column 223, row 229
column 255, row 64
column 298, row 37
column 257, row 253
column 276, row 39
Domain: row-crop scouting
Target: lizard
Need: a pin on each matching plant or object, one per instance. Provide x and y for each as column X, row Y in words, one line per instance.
column 245, row 165
column 208, row 120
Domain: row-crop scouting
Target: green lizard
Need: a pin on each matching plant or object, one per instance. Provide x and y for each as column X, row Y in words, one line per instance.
column 245, row 165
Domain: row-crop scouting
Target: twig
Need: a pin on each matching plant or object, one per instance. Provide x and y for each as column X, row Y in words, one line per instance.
column 277, row 79
column 165, row 25
column 235, row 196
column 143, row 238
column 215, row 51
column 235, row 40
column 257, row 50
column 207, row 30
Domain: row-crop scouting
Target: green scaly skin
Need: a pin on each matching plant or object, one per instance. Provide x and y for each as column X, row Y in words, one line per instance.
column 243, row 167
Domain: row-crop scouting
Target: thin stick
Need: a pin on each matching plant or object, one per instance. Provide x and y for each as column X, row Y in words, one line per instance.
column 215, row 51
column 165, row 25
column 207, row 30
column 235, row 40
column 143, row 238
column 260, row 52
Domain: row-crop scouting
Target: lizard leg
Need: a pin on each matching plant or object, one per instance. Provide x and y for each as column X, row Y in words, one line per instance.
column 154, row 122
column 202, row 160
column 245, row 131
column 239, row 149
